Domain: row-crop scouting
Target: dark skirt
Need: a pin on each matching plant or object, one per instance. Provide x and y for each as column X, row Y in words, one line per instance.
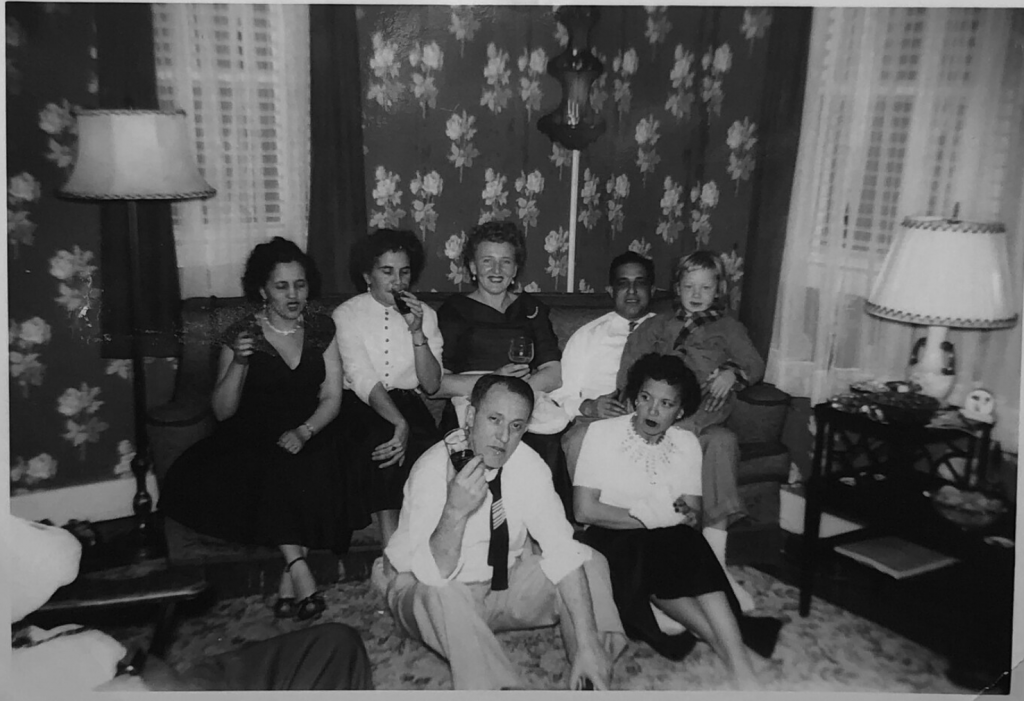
column 236, row 487
column 667, row 563
column 371, row 489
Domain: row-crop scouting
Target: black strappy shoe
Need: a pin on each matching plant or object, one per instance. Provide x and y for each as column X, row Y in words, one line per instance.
column 313, row 605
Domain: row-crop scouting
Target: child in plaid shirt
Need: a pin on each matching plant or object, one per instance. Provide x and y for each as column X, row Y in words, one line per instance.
column 718, row 350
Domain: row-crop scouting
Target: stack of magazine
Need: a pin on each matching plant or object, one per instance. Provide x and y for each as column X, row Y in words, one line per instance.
column 896, row 557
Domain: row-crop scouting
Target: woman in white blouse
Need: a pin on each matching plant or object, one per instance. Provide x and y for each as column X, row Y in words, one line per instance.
column 637, row 488
column 391, row 356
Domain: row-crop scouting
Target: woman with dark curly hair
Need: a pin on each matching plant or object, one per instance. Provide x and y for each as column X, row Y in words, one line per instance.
column 391, row 350
column 479, row 326
column 269, row 473
column 638, row 491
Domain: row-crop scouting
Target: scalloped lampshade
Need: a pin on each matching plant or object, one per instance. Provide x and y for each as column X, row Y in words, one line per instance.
column 134, row 155
column 944, row 273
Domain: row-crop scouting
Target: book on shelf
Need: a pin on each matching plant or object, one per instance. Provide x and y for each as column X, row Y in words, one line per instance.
column 896, row 557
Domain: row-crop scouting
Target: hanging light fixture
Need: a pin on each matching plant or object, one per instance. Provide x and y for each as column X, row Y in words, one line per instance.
column 574, row 124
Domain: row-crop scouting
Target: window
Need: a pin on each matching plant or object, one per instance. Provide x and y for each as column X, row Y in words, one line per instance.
column 241, row 73
column 907, row 111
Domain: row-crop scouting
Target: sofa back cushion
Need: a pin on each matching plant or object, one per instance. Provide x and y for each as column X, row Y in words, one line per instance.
column 205, row 319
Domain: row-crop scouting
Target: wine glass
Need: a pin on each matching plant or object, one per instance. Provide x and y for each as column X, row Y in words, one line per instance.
column 459, row 450
column 520, row 350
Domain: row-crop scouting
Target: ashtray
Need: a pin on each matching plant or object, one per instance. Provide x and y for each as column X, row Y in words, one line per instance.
column 969, row 510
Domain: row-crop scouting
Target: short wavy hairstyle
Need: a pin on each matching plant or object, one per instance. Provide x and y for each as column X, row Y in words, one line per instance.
column 669, row 369
column 367, row 250
column 630, row 257
column 703, row 260
column 267, row 256
column 497, row 232
column 515, row 385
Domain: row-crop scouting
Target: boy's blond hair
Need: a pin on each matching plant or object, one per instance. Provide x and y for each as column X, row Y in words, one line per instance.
column 703, row 260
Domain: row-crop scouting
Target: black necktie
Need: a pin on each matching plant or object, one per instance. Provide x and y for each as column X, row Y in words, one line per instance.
column 497, row 551
column 632, row 326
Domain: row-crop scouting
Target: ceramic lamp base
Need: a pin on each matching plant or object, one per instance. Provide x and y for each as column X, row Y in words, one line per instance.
column 933, row 364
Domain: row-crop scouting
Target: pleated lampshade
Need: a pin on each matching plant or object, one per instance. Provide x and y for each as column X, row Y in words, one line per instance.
column 134, row 155
column 946, row 272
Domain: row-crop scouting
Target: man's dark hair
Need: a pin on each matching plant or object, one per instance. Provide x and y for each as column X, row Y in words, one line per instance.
column 267, row 256
column 496, row 232
column 368, row 249
column 669, row 369
column 514, row 385
column 630, row 257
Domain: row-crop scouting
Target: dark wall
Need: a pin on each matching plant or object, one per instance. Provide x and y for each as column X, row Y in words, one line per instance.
column 670, row 143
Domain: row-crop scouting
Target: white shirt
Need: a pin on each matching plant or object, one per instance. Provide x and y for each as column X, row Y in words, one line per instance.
column 531, row 506
column 376, row 345
column 590, row 361
column 626, row 469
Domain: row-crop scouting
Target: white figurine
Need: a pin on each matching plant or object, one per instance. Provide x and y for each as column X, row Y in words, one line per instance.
column 980, row 406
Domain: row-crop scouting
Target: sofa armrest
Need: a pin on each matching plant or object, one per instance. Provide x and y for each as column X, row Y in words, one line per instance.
column 759, row 414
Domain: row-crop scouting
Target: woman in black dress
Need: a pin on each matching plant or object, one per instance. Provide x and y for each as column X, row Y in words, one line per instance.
column 479, row 326
column 269, row 474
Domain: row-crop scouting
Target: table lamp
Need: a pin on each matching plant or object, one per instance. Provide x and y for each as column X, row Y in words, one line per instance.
column 944, row 273
column 133, row 155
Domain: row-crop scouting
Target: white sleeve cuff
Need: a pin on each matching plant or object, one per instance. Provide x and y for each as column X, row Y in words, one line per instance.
column 424, row 567
column 556, row 565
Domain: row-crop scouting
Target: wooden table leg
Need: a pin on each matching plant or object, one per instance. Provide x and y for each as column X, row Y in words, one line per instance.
column 163, row 630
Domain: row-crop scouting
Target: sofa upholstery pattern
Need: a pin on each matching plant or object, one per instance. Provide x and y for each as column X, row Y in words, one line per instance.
column 758, row 418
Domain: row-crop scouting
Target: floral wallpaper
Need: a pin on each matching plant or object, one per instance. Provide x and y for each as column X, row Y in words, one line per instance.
column 70, row 410
column 451, row 100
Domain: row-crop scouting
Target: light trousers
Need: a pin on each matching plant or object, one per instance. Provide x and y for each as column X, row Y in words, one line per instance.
column 458, row 621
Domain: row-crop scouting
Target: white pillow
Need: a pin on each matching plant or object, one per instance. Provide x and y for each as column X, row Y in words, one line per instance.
column 40, row 560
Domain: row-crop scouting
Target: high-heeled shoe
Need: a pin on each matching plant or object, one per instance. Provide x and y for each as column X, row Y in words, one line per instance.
column 311, row 606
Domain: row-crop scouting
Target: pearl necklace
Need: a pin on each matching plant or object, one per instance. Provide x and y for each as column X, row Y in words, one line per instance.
column 289, row 332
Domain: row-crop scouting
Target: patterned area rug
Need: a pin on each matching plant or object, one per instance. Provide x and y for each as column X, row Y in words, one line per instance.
column 830, row 650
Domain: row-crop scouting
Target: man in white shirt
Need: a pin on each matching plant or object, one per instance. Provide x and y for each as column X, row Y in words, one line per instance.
column 590, row 361
column 466, row 567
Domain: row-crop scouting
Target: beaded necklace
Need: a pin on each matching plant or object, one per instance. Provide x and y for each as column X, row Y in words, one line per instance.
column 655, row 458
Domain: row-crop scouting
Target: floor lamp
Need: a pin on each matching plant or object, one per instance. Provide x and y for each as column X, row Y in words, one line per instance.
column 133, row 155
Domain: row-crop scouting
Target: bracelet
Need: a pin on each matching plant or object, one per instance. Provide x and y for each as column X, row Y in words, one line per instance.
column 418, row 345
column 309, row 428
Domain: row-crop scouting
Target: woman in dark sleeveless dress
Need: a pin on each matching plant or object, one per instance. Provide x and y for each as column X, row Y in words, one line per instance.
column 269, row 474
column 478, row 327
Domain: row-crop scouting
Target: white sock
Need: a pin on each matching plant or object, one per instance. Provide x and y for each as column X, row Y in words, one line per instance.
column 716, row 538
column 668, row 625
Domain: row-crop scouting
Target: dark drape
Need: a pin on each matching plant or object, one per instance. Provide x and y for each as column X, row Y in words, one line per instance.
column 779, row 126
column 127, row 79
column 337, row 193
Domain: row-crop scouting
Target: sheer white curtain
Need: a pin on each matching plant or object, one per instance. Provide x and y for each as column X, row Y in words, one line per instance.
column 907, row 111
column 241, row 72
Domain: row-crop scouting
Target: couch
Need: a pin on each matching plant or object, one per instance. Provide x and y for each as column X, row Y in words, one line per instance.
column 757, row 420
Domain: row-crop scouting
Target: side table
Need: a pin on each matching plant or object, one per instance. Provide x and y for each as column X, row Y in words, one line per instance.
column 878, row 474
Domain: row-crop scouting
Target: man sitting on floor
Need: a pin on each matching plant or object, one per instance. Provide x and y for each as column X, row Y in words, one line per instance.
column 465, row 568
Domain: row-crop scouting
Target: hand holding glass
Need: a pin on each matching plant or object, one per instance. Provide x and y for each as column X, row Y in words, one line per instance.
column 457, row 443
column 520, row 350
